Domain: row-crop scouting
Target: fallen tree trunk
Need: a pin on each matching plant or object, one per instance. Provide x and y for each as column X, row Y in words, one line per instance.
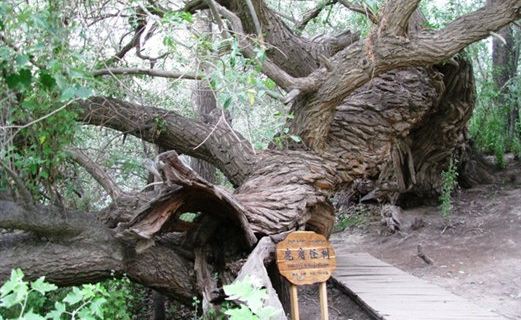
column 72, row 248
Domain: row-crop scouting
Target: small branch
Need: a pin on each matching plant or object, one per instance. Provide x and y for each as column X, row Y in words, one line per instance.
column 20, row 127
column 287, row 17
column 209, row 134
column 472, row 27
column 131, row 44
column 254, row 17
column 97, row 173
column 283, row 79
column 102, row 17
column 37, row 120
column 148, row 72
column 312, row 14
column 423, row 256
column 363, row 9
column 217, row 17
column 194, row 5
column 24, row 193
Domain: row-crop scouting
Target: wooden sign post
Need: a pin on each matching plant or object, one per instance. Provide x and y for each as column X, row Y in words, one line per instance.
column 306, row 257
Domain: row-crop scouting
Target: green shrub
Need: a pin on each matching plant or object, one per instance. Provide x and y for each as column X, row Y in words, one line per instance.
column 249, row 297
column 21, row 299
column 449, row 182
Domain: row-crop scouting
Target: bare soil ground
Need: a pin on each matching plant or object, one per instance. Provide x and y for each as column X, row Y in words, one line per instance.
column 476, row 255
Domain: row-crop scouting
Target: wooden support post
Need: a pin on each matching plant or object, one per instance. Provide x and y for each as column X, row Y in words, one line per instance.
column 324, row 312
column 293, row 293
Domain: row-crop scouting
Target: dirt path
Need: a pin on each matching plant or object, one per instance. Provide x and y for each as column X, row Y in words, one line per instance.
column 478, row 257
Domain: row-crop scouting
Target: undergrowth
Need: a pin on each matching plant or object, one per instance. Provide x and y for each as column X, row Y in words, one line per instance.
column 449, row 182
column 488, row 126
column 39, row 300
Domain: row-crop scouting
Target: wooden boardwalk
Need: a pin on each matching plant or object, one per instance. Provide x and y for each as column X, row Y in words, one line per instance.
column 391, row 294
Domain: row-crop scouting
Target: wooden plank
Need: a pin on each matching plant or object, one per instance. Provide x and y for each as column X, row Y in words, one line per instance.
column 392, row 294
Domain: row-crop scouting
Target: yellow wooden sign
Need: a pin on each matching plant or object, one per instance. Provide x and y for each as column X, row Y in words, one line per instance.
column 305, row 257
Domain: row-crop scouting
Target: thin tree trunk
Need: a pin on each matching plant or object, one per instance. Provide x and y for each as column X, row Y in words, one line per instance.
column 505, row 52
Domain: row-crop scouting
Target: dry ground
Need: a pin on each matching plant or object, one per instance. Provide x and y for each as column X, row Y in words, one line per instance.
column 478, row 256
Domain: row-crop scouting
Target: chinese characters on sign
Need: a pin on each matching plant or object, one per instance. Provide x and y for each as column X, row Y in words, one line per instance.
column 305, row 257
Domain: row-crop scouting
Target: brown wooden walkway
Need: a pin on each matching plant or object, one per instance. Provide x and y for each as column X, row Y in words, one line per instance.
column 391, row 294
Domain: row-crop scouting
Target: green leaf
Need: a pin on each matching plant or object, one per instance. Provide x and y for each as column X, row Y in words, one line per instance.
column 73, row 297
column 83, row 92
column 9, row 301
column 270, row 84
column 96, row 306
column 68, row 94
column 247, row 291
column 227, row 102
column 241, row 313
column 75, row 92
column 43, row 287
column 85, row 314
column 46, row 80
column 54, row 315
column 295, row 138
column 21, row 59
column 14, row 291
column 20, row 80
column 251, row 96
column 186, row 16
column 267, row 312
column 59, row 309
column 59, row 306
column 16, row 277
column 4, row 53
column 32, row 316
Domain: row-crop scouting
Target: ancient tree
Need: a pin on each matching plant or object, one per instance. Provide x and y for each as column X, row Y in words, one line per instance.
column 382, row 114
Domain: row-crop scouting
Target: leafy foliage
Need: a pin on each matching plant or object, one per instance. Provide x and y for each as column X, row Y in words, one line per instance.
column 30, row 300
column 250, row 296
column 449, row 180
column 37, row 88
column 489, row 124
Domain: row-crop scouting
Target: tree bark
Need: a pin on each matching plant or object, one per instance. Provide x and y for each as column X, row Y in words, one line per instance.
column 205, row 102
column 505, row 55
column 72, row 248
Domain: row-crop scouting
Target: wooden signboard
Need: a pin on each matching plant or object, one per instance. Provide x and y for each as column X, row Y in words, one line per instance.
column 306, row 257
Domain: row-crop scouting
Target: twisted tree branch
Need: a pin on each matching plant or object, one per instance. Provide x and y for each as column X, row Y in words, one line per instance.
column 96, row 172
column 148, row 72
column 172, row 131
